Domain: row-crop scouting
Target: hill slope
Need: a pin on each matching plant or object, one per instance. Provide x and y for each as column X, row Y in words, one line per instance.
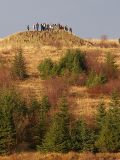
column 39, row 45
column 56, row 38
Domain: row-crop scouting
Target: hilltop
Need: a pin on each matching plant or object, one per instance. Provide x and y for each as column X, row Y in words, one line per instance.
column 55, row 38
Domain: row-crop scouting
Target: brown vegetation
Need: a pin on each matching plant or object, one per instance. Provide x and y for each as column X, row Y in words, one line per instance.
column 55, row 88
column 6, row 80
column 69, row 156
column 105, row 89
column 37, row 46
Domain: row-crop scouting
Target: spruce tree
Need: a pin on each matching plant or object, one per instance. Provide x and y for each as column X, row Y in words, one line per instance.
column 82, row 137
column 38, row 115
column 58, row 138
column 109, row 137
column 7, row 127
column 19, row 65
column 101, row 113
column 7, row 132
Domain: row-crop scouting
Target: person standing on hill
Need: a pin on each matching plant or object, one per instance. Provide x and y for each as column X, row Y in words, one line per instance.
column 28, row 27
column 34, row 28
column 37, row 26
column 41, row 27
column 70, row 29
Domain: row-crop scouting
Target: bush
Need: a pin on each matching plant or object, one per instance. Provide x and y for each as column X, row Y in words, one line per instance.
column 19, row 66
column 73, row 61
column 110, row 66
column 47, row 68
column 95, row 79
column 105, row 89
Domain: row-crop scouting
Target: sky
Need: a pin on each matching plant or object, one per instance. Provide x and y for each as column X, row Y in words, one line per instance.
column 88, row 18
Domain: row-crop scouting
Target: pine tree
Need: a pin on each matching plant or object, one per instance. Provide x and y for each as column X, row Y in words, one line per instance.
column 101, row 113
column 19, row 66
column 111, row 66
column 109, row 136
column 7, row 127
column 82, row 137
column 78, row 136
column 58, row 138
column 7, row 132
column 38, row 115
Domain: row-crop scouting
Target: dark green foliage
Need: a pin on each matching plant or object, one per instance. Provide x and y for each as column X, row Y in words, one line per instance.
column 111, row 68
column 101, row 115
column 109, row 135
column 46, row 68
column 7, row 132
column 19, row 66
column 58, row 138
column 39, row 121
column 7, row 127
column 73, row 62
column 95, row 79
column 82, row 137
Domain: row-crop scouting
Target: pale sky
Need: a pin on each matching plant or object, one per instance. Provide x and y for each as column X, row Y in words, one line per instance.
column 88, row 18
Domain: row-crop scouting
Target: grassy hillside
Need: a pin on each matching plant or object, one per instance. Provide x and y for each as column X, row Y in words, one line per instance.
column 55, row 38
column 82, row 100
column 40, row 45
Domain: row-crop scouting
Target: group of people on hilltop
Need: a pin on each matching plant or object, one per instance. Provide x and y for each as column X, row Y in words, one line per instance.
column 46, row 26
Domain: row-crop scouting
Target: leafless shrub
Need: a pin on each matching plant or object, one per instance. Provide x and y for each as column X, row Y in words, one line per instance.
column 93, row 61
column 75, row 79
column 106, row 43
column 106, row 89
column 55, row 88
column 6, row 80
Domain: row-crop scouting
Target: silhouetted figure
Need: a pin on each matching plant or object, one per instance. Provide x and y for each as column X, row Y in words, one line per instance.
column 70, row 29
column 41, row 27
column 34, row 27
column 37, row 26
column 44, row 26
column 28, row 27
column 66, row 28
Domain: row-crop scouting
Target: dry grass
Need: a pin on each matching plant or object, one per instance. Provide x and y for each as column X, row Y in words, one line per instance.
column 68, row 156
column 37, row 46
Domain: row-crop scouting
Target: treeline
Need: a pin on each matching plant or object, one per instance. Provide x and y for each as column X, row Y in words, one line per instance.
column 48, row 131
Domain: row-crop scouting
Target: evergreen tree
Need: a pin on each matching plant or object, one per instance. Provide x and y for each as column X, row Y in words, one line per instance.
column 47, row 68
column 78, row 136
column 7, row 127
column 111, row 68
column 83, row 138
column 19, row 66
column 39, row 121
column 109, row 136
column 58, row 138
column 101, row 114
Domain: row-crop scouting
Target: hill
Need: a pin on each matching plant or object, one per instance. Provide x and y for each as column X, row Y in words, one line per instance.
column 82, row 71
column 56, row 38
column 53, row 44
